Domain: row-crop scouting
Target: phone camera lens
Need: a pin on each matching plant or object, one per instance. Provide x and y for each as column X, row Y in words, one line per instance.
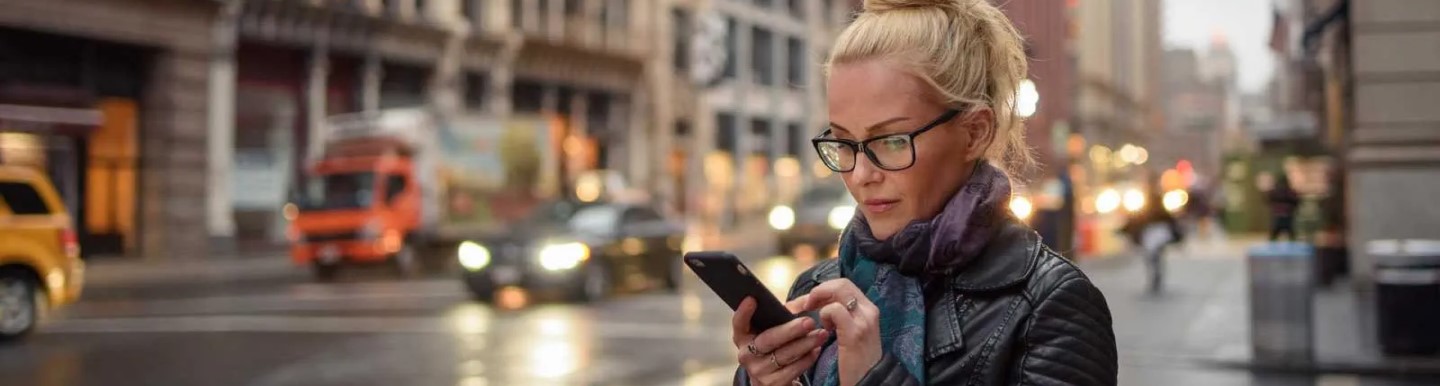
column 742, row 270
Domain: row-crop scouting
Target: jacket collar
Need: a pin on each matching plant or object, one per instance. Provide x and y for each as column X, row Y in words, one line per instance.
column 1007, row 260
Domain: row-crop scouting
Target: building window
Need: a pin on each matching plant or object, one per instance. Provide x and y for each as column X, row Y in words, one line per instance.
column 620, row 16
column 760, row 130
column 420, row 13
column 732, row 48
column 797, row 62
column 798, row 140
column 725, row 139
column 477, row 86
column 574, row 7
column 517, row 14
column 761, row 60
column 680, row 23
column 797, row 9
column 473, row 11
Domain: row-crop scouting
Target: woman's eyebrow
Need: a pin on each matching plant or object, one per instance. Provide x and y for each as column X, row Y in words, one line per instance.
column 835, row 126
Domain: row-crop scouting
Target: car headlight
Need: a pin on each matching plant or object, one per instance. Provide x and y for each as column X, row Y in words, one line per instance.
column 840, row 216
column 559, row 257
column 1107, row 201
column 782, row 218
column 1134, row 200
column 473, row 256
column 1175, row 200
column 1022, row 207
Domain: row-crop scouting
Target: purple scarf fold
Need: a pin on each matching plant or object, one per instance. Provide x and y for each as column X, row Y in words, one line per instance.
column 950, row 240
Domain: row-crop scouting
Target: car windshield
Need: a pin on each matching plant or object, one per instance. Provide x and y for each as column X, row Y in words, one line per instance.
column 338, row 191
column 595, row 219
column 554, row 214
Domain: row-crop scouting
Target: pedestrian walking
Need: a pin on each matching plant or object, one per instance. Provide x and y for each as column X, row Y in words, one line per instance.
column 1284, row 202
column 1152, row 229
column 936, row 281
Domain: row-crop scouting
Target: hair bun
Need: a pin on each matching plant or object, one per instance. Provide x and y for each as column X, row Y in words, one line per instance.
column 887, row 5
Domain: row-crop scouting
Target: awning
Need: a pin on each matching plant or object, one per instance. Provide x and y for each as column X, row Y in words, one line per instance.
column 44, row 119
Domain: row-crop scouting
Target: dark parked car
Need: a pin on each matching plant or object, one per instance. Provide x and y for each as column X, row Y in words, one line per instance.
column 584, row 251
column 815, row 219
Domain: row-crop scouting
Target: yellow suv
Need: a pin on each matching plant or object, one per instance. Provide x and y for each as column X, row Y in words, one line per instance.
column 40, row 263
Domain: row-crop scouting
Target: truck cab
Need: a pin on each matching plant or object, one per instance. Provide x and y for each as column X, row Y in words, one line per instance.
column 359, row 205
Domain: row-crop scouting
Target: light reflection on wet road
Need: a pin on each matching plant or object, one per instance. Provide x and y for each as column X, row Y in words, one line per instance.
column 419, row 332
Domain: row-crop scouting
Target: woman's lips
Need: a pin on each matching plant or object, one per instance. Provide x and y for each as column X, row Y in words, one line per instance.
column 877, row 206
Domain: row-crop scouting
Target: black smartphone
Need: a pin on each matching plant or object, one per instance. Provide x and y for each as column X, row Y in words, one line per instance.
column 733, row 282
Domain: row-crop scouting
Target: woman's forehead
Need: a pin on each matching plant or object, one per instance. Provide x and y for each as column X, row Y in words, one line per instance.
column 869, row 93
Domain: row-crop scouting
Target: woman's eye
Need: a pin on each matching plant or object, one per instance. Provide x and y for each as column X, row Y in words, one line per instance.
column 894, row 143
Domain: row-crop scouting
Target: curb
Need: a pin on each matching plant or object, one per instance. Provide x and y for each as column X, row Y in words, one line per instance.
column 1416, row 367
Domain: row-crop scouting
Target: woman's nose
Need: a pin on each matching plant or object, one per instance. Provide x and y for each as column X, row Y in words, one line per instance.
column 866, row 172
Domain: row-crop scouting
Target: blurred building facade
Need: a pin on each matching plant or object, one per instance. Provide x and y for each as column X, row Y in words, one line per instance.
column 1377, row 73
column 1118, row 51
column 177, row 127
column 108, row 97
column 754, row 70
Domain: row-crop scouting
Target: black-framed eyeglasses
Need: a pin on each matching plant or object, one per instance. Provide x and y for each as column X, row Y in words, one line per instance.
column 893, row 152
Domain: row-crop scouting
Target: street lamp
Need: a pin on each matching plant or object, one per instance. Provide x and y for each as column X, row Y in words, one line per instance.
column 1027, row 99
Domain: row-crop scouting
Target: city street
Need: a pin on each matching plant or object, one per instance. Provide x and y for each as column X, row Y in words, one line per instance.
column 369, row 329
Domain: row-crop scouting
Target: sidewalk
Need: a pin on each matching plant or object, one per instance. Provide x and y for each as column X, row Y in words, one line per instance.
column 1203, row 317
column 126, row 272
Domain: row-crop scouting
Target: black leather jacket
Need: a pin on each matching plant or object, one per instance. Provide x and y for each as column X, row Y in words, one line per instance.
column 1019, row 315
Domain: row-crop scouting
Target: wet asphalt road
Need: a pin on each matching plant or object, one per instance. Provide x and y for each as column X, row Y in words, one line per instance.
column 371, row 329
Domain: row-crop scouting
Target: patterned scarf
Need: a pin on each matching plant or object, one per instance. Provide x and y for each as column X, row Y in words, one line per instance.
column 891, row 271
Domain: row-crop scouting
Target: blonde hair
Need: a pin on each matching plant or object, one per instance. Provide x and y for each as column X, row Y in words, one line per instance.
column 967, row 50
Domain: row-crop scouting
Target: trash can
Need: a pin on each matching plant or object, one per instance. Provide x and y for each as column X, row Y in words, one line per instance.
column 1281, row 285
column 1407, row 295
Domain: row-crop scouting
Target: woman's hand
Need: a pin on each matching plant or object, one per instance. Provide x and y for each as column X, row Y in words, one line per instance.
column 777, row 356
column 856, row 322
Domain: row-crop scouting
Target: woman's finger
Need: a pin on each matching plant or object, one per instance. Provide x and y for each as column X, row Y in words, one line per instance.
column 787, row 373
column 834, row 291
column 796, row 349
column 798, row 304
column 740, row 322
column 771, row 339
column 846, row 325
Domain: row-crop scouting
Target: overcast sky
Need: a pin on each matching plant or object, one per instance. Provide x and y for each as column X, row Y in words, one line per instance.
column 1244, row 23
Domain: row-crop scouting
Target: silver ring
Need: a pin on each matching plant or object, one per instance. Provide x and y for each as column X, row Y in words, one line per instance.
column 797, row 383
column 852, row 304
column 774, row 361
column 751, row 347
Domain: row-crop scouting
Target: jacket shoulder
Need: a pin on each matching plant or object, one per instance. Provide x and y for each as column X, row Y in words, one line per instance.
column 1054, row 272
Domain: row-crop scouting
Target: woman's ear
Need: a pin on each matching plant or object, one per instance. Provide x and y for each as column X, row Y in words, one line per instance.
column 979, row 127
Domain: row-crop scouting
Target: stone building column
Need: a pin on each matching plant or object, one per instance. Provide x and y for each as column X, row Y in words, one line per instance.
column 317, row 73
column 219, row 213
column 174, row 137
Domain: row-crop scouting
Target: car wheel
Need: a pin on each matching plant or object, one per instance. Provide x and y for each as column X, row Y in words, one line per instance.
column 594, row 284
column 406, row 261
column 325, row 271
column 20, row 306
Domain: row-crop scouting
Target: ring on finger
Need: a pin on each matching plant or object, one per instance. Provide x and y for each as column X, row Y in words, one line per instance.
column 751, row 348
column 775, row 362
column 852, row 304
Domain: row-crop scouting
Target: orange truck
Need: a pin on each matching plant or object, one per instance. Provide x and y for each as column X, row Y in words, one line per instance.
column 404, row 187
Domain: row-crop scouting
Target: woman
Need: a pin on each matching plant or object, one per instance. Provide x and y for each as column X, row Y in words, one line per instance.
column 936, row 283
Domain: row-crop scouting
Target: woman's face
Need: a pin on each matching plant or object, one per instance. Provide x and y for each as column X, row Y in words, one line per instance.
column 876, row 98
